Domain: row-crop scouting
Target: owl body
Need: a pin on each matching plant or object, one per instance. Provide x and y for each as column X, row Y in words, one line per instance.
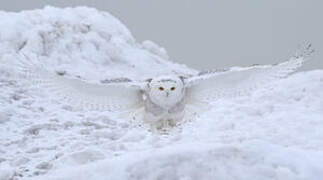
column 164, row 98
column 160, row 116
column 164, row 101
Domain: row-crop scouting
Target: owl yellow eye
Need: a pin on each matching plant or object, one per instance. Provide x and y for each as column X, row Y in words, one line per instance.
column 161, row 88
column 172, row 88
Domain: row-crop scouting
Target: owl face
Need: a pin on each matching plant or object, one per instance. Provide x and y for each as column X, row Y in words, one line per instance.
column 166, row 90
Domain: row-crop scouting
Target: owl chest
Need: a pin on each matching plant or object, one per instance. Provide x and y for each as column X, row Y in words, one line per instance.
column 160, row 111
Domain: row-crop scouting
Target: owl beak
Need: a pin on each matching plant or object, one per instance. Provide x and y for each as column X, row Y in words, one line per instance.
column 167, row 94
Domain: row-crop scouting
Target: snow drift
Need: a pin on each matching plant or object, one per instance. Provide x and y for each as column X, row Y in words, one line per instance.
column 79, row 39
column 274, row 133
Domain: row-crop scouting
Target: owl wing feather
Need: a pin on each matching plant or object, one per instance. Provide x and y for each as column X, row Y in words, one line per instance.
column 116, row 94
column 211, row 85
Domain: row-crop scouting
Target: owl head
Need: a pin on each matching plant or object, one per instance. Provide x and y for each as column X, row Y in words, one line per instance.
column 166, row 90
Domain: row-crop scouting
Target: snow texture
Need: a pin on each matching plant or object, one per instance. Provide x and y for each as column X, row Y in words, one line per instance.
column 274, row 133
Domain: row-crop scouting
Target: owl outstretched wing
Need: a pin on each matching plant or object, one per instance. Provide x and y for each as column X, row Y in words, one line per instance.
column 113, row 95
column 211, row 85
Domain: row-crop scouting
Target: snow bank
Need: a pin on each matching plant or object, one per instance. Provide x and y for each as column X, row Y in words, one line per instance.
column 84, row 38
column 275, row 133
column 243, row 161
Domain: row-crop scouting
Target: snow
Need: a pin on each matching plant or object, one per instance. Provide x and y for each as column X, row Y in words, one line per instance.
column 274, row 133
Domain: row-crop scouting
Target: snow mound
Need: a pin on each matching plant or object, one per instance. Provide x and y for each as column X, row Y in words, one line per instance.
column 274, row 133
column 78, row 39
column 252, row 160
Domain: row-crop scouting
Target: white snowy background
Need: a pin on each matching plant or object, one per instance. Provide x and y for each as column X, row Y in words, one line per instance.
column 274, row 133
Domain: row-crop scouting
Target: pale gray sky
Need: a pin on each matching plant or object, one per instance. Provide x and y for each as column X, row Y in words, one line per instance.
column 214, row 33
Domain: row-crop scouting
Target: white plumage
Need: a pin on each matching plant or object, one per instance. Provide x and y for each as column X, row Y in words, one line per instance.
column 164, row 98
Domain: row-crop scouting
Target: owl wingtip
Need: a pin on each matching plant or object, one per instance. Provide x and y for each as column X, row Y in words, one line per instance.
column 304, row 51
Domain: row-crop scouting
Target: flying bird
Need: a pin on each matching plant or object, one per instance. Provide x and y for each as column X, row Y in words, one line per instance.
column 164, row 98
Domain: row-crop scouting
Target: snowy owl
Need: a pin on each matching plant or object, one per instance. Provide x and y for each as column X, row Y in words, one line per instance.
column 164, row 98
